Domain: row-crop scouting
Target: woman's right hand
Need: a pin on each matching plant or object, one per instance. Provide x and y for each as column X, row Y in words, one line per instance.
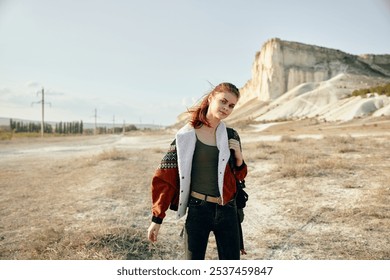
column 153, row 231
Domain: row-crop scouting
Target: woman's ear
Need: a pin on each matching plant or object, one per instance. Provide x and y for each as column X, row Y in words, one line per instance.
column 209, row 98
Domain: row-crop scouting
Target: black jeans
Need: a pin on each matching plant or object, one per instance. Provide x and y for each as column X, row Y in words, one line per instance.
column 204, row 217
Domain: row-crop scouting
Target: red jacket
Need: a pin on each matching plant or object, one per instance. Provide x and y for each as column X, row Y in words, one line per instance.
column 171, row 181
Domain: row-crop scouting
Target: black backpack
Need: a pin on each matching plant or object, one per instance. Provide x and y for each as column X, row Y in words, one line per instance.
column 241, row 195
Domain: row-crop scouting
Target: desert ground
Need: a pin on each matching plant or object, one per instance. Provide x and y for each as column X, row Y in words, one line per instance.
column 317, row 191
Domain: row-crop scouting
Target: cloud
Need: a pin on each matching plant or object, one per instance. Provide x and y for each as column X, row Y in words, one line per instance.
column 13, row 94
column 32, row 84
column 5, row 91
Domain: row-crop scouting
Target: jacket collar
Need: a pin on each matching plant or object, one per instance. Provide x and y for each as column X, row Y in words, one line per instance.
column 187, row 132
column 185, row 146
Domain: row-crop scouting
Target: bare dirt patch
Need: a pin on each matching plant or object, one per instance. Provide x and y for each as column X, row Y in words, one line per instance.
column 323, row 197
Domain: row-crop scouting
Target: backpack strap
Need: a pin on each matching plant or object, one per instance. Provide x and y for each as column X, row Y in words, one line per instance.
column 230, row 133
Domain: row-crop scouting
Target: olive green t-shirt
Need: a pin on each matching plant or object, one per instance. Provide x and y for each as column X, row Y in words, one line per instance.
column 204, row 173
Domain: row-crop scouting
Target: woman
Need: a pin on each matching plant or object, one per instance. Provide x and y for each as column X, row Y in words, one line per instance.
column 195, row 173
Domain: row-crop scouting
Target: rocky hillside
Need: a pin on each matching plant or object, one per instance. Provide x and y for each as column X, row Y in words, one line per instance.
column 292, row 80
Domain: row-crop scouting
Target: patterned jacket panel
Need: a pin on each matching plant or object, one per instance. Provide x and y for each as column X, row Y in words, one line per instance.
column 165, row 185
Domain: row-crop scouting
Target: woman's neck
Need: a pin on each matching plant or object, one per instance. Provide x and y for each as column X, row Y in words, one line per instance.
column 207, row 135
column 214, row 122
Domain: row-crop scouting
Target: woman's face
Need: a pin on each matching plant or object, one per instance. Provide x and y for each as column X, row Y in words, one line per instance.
column 221, row 105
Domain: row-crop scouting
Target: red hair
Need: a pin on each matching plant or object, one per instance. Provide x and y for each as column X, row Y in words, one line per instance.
column 199, row 112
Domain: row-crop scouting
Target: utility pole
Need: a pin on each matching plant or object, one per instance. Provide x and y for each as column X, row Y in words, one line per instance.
column 43, row 109
column 95, row 130
column 113, row 124
column 43, row 112
column 95, row 116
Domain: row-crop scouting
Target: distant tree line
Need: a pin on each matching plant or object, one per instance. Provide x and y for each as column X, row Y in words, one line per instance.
column 115, row 130
column 69, row 127
column 76, row 127
column 19, row 126
column 60, row 128
column 381, row 90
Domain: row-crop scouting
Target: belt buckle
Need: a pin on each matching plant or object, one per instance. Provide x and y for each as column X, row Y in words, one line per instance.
column 219, row 200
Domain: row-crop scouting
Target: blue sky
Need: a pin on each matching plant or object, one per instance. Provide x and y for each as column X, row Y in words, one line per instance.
column 146, row 61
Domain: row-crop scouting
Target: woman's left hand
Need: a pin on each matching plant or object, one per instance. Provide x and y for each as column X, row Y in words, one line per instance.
column 235, row 145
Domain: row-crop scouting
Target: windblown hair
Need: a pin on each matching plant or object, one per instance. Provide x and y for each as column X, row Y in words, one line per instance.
column 199, row 112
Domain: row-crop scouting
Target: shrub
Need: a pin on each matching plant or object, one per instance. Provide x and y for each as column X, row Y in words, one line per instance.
column 381, row 90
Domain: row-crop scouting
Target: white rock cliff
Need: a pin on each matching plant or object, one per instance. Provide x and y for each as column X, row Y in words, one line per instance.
column 283, row 71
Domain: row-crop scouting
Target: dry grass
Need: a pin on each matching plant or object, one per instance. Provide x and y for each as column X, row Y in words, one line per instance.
column 5, row 135
column 111, row 154
column 297, row 163
column 301, row 158
column 322, row 198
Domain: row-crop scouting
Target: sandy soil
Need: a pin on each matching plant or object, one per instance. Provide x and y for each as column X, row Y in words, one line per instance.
column 317, row 191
